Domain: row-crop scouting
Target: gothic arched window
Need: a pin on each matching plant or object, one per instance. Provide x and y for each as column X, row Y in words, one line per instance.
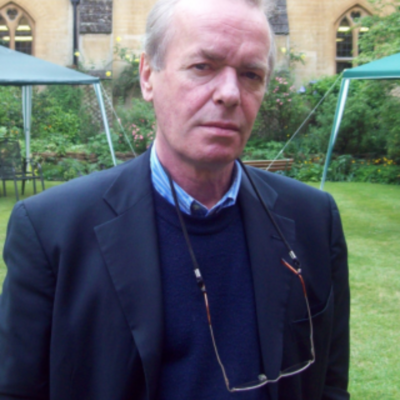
column 347, row 35
column 16, row 29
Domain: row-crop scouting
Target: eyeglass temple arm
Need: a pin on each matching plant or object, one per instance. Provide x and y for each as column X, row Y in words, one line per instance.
column 298, row 273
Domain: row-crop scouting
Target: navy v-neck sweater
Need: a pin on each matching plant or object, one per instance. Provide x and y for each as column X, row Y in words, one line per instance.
column 189, row 366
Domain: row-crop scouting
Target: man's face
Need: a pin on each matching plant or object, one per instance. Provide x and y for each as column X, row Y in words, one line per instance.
column 207, row 96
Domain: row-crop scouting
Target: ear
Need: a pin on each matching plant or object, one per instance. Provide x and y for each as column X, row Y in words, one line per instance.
column 146, row 77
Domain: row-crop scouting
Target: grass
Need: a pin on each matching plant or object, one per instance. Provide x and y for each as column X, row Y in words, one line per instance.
column 371, row 220
column 6, row 205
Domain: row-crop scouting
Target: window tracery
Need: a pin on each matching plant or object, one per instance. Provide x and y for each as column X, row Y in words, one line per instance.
column 16, row 29
column 348, row 33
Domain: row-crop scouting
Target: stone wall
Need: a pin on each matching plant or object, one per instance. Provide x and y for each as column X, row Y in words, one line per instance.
column 305, row 26
column 52, row 30
column 313, row 26
column 95, row 16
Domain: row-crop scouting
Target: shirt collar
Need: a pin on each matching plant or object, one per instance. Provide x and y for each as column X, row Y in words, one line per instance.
column 187, row 203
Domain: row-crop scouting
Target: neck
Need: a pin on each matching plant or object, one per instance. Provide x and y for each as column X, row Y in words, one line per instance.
column 207, row 184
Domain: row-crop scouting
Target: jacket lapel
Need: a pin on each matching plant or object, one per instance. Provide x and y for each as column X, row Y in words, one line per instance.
column 129, row 247
column 270, row 278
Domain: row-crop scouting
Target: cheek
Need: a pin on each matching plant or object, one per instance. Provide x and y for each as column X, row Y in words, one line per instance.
column 251, row 104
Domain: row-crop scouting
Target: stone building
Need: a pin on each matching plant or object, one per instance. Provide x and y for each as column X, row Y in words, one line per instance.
column 320, row 29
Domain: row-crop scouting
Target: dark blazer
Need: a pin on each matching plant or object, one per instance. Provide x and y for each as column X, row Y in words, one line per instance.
column 81, row 314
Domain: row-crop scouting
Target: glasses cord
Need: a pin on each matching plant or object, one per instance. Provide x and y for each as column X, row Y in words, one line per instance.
column 266, row 209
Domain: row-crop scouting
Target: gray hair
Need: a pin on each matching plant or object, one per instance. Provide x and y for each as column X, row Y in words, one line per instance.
column 159, row 31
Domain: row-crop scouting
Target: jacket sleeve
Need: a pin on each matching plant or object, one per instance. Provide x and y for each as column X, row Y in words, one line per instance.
column 336, row 381
column 25, row 312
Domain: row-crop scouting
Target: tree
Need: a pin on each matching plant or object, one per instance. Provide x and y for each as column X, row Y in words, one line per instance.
column 383, row 36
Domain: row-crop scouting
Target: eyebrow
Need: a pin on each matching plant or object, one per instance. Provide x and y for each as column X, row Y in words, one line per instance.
column 209, row 55
column 212, row 56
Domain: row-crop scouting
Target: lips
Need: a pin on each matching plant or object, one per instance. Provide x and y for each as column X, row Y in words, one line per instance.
column 228, row 126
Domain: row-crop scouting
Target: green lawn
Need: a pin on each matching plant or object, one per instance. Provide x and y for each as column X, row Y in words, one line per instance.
column 371, row 219
column 6, row 205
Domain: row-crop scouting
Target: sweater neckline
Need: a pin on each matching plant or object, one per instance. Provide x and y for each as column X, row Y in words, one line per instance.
column 196, row 225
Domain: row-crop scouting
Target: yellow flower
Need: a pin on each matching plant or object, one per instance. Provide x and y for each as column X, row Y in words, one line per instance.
column 283, row 50
column 77, row 54
column 108, row 73
column 118, row 38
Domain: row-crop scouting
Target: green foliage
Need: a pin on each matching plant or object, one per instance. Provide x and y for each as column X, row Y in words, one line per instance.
column 307, row 172
column 52, row 114
column 58, row 144
column 68, row 97
column 65, row 170
column 370, row 123
column 11, row 111
column 98, row 145
column 383, row 36
column 391, row 125
column 129, row 77
column 281, row 111
column 56, row 110
column 139, row 123
column 258, row 148
column 295, row 58
column 345, row 168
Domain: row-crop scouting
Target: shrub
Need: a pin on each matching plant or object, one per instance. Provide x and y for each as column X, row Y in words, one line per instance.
column 64, row 170
column 128, row 79
column 281, row 111
column 139, row 123
column 346, row 168
column 57, row 110
column 261, row 149
column 11, row 110
column 368, row 118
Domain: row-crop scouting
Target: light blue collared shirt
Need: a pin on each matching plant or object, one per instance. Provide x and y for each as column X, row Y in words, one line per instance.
column 187, row 203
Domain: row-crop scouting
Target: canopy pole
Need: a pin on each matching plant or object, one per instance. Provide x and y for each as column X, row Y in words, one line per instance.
column 344, row 89
column 27, row 113
column 97, row 89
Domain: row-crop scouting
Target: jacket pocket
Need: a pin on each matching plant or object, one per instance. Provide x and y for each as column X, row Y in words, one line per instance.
column 297, row 336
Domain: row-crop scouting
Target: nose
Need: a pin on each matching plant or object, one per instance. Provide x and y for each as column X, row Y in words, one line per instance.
column 227, row 90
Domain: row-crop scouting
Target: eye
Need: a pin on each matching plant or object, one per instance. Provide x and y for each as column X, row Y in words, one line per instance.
column 201, row 67
column 253, row 76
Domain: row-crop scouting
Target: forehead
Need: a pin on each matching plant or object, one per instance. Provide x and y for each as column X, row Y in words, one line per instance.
column 222, row 28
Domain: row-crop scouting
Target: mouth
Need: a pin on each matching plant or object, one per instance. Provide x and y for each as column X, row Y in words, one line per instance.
column 221, row 126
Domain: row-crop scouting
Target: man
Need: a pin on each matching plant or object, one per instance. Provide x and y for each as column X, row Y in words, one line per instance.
column 122, row 285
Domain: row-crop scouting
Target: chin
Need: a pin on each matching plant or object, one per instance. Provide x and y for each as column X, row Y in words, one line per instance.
column 218, row 159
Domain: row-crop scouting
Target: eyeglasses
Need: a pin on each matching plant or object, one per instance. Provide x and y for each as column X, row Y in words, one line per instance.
column 262, row 379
